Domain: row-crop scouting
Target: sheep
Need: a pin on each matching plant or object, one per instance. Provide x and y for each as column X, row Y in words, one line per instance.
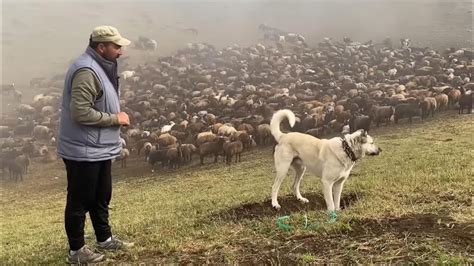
column 134, row 133
column 16, row 170
column 226, row 130
column 49, row 157
column 245, row 138
column 26, row 110
column 406, row 110
column 124, row 154
column 428, row 105
column 247, row 127
column 382, row 114
column 5, row 132
column 204, row 137
column 123, row 142
column 159, row 155
column 442, row 101
column 174, row 156
column 47, row 110
column 181, row 136
column 42, row 132
column 264, row 135
column 465, row 102
column 145, row 134
column 167, row 128
column 232, row 148
column 23, row 161
column 454, row 96
column 42, row 151
column 359, row 122
column 17, row 95
column 346, row 129
column 214, row 147
column 4, row 162
column 188, row 150
column 146, row 147
column 215, row 127
column 317, row 132
column 7, row 88
column 166, row 140
column 127, row 74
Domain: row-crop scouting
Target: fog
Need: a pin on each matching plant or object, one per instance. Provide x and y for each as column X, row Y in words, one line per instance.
column 40, row 38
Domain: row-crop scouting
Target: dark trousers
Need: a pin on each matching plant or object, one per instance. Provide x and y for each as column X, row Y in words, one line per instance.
column 89, row 189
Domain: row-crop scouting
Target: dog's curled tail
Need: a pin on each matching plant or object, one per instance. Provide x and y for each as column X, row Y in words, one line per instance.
column 276, row 121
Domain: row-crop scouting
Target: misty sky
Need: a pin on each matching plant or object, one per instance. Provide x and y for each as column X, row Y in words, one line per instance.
column 40, row 38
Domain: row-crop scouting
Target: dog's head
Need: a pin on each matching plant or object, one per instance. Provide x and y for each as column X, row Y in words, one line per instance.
column 366, row 143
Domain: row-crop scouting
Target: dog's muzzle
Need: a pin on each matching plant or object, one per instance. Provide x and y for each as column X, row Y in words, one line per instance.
column 376, row 152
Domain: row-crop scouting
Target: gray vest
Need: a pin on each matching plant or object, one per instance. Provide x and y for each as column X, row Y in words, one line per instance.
column 87, row 143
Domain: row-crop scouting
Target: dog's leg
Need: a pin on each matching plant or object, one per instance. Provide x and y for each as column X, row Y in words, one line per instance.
column 299, row 173
column 327, row 190
column 337, row 191
column 282, row 164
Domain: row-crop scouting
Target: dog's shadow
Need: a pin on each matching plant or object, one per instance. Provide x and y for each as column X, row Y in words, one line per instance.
column 289, row 205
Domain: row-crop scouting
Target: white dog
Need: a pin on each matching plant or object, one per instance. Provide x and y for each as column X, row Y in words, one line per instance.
column 331, row 159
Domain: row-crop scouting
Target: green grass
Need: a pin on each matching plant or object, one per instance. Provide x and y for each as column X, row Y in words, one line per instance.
column 413, row 203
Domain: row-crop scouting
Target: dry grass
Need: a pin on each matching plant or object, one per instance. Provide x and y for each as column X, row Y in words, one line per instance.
column 414, row 203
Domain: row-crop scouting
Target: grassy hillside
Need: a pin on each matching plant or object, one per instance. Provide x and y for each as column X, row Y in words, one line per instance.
column 413, row 203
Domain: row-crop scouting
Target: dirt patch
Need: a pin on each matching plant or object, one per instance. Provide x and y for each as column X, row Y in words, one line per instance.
column 402, row 239
column 289, row 205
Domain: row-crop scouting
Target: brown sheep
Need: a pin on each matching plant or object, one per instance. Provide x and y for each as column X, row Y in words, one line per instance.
column 264, row 135
column 245, row 138
column 246, row 127
column 215, row 127
column 465, row 101
column 166, row 140
column 232, row 148
column 428, row 105
column 204, row 137
column 214, row 147
column 174, row 156
column 453, row 96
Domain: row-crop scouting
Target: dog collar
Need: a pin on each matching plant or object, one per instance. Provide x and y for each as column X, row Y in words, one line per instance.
column 347, row 149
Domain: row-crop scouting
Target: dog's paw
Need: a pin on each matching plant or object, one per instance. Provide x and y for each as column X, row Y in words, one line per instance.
column 304, row 200
column 276, row 206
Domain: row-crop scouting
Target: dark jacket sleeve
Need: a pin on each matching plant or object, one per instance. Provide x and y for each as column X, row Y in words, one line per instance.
column 85, row 90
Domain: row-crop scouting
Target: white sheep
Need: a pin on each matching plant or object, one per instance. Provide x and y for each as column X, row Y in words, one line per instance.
column 127, row 74
column 167, row 128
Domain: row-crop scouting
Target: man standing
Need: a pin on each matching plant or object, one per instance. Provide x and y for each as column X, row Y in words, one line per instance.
column 89, row 138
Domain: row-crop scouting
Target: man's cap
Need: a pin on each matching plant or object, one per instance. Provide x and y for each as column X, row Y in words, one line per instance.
column 108, row 34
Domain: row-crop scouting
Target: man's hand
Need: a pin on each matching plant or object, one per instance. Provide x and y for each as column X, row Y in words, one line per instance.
column 123, row 119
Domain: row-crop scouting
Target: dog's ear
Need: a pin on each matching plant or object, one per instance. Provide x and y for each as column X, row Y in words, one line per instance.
column 363, row 133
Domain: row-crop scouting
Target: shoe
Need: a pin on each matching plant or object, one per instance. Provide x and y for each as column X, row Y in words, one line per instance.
column 84, row 255
column 114, row 244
